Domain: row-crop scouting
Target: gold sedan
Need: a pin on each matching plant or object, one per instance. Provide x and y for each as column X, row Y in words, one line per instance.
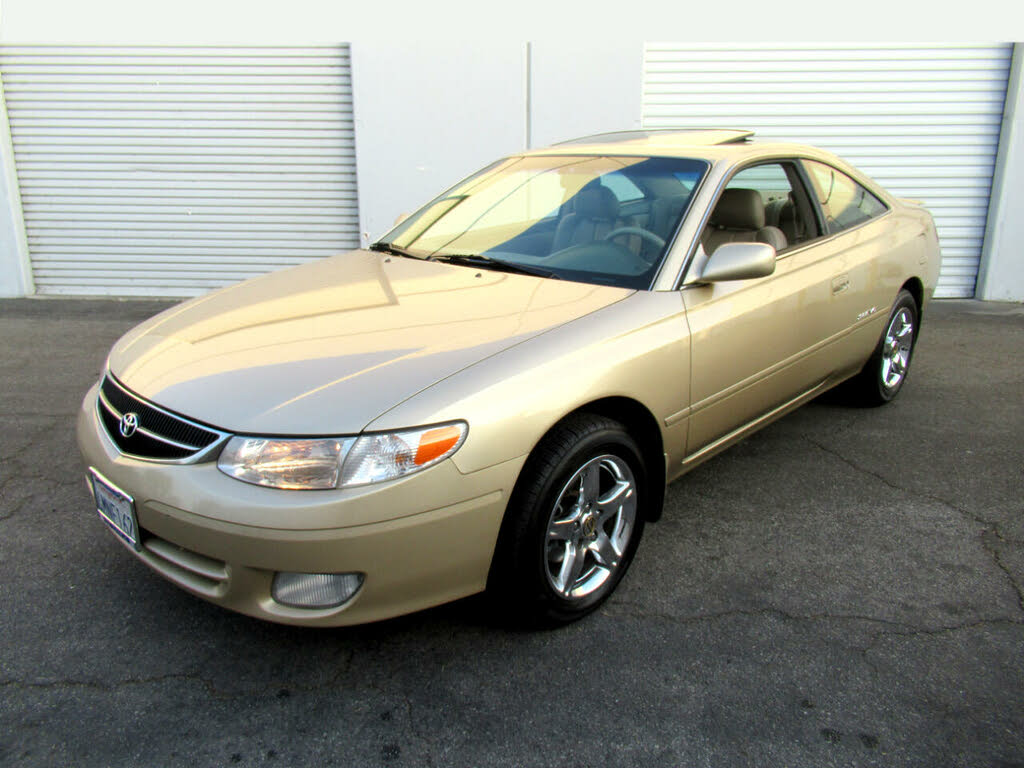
column 495, row 394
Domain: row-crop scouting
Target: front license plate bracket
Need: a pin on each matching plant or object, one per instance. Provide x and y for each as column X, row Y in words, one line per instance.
column 115, row 508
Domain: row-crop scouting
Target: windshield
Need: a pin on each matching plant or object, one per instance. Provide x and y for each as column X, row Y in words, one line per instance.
column 594, row 219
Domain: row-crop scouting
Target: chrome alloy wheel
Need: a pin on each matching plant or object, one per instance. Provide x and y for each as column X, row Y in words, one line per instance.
column 590, row 526
column 899, row 339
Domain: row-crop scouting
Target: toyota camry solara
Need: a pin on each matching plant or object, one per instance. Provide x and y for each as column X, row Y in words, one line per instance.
column 494, row 395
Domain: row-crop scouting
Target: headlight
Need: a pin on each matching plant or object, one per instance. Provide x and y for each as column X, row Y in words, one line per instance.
column 285, row 463
column 338, row 462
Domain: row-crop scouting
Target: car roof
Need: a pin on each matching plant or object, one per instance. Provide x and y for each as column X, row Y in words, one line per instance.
column 703, row 143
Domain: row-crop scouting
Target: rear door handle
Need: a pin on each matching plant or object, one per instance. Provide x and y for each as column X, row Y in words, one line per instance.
column 840, row 284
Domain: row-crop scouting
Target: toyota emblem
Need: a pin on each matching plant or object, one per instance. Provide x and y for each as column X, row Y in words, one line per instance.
column 129, row 423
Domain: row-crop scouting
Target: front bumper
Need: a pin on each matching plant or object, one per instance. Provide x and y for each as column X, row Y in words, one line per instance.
column 421, row 540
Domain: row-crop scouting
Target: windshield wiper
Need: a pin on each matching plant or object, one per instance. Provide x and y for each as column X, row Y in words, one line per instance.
column 489, row 262
column 397, row 250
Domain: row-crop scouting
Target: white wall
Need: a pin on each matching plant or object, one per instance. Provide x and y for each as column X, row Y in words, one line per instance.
column 15, row 269
column 428, row 114
column 579, row 89
column 1001, row 274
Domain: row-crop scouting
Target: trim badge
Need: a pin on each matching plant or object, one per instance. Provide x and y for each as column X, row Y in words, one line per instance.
column 129, row 423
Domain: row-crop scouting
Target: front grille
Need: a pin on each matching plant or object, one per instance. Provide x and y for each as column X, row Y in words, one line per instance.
column 159, row 434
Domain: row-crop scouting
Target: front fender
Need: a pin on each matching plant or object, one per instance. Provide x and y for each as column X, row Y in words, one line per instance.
column 637, row 348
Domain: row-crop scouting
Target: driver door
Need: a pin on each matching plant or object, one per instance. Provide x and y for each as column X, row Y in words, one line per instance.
column 753, row 341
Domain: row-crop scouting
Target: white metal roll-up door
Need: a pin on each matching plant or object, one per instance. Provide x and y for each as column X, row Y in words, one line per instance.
column 923, row 120
column 173, row 170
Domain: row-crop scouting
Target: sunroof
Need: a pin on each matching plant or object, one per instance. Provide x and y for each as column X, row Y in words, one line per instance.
column 676, row 135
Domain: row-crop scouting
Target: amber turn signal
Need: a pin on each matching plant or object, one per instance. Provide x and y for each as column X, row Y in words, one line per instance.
column 435, row 443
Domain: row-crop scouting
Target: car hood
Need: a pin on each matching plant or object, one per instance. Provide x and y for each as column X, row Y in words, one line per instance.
column 326, row 347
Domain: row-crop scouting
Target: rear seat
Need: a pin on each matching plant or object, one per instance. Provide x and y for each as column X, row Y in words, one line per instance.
column 782, row 213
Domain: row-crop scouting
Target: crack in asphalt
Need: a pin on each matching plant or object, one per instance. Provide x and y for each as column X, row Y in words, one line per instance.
column 16, row 509
column 13, row 511
column 988, row 525
column 640, row 612
column 107, row 687
column 895, row 486
column 911, row 630
column 211, row 687
column 879, row 636
column 11, row 451
column 26, row 473
column 35, row 484
column 900, row 629
column 7, row 481
column 417, row 733
column 1009, row 574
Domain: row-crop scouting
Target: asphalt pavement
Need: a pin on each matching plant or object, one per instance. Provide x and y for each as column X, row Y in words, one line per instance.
column 845, row 588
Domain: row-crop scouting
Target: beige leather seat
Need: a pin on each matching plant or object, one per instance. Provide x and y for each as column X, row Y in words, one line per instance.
column 782, row 213
column 595, row 210
column 739, row 218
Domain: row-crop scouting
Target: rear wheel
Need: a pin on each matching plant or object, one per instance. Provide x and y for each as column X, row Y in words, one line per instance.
column 573, row 523
column 886, row 370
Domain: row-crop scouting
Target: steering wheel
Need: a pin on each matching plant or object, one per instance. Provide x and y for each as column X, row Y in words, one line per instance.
column 639, row 231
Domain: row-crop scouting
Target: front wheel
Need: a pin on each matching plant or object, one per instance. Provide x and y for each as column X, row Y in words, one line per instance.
column 573, row 523
column 886, row 370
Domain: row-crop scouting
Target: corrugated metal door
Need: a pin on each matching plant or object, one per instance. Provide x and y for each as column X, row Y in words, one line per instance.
column 923, row 120
column 173, row 170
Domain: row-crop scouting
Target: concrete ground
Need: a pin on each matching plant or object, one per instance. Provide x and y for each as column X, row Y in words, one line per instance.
column 844, row 588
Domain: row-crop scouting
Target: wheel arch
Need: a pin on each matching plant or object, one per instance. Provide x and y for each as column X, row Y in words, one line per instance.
column 643, row 427
column 916, row 289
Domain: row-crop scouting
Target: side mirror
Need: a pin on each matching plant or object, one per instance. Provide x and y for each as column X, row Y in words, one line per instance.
column 400, row 218
column 738, row 261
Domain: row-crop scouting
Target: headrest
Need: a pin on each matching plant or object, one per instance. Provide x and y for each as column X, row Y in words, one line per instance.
column 595, row 201
column 739, row 209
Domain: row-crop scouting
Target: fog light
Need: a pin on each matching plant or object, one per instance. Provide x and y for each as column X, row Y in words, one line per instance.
column 315, row 590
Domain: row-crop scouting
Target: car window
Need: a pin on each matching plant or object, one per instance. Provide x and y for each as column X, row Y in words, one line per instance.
column 769, row 179
column 844, row 202
column 623, row 189
column 591, row 218
column 767, row 187
column 687, row 180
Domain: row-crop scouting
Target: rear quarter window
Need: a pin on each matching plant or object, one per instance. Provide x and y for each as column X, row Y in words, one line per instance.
column 844, row 202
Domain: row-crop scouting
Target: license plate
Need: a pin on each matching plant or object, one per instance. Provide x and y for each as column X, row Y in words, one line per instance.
column 116, row 508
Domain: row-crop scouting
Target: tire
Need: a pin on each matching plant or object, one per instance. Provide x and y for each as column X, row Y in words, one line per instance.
column 572, row 525
column 885, row 372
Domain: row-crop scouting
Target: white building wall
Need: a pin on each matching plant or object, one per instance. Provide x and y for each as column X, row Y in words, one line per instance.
column 15, row 269
column 578, row 89
column 426, row 115
column 172, row 170
column 1001, row 276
